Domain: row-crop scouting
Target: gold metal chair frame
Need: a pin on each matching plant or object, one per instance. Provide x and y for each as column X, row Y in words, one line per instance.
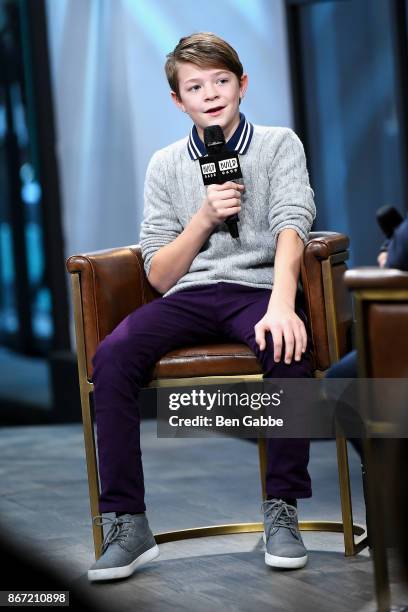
column 346, row 526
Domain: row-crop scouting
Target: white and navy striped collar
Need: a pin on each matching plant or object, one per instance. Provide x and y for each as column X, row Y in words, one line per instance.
column 239, row 141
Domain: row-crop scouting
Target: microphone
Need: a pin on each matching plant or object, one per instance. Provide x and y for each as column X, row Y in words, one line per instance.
column 220, row 166
column 388, row 219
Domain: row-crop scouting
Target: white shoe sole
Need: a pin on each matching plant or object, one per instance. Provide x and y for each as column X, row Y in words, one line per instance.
column 284, row 562
column 112, row 573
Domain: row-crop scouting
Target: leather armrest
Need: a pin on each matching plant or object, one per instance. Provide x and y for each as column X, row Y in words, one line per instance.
column 323, row 244
column 113, row 284
column 327, row 301
column 376, row 278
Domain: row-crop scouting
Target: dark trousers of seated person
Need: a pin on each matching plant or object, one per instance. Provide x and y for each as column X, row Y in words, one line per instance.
column 124, row 361
column 347, row 368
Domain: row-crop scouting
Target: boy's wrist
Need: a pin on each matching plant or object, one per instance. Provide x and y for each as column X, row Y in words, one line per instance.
column 280, row 299
column 203, row 221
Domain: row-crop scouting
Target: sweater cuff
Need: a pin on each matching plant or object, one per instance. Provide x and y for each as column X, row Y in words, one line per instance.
column 300, row 232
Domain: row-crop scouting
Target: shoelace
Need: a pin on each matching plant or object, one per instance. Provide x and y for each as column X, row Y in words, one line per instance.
column 285, row 516
column 118, row 529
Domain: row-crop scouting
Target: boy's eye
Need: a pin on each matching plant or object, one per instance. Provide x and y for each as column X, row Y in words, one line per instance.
column 197, row 87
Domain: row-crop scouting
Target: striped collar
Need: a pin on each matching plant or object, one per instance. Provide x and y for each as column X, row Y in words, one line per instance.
column 239, row 141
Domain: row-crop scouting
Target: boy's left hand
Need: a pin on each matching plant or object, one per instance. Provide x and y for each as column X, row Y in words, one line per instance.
column 284, row 324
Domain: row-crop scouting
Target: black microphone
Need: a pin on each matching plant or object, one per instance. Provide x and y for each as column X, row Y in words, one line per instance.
column 220, row 166
column 388, row 219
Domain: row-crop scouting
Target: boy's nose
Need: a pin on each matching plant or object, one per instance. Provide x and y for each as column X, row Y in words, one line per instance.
column 210, row 93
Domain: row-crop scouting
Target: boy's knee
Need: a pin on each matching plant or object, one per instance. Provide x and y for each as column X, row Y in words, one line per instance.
column 120, row 353
column 280, row 369
column 108, row 351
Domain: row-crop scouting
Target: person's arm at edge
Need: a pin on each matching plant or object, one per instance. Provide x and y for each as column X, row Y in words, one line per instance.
column 397, row 256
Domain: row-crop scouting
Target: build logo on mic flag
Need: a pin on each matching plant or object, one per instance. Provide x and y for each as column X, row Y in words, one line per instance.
column 220, row 168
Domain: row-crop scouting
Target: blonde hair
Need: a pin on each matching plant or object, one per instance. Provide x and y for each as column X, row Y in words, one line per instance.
column 203, row 49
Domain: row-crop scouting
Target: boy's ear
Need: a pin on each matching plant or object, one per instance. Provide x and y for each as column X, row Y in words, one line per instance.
column 243, row 85
column 177, row 101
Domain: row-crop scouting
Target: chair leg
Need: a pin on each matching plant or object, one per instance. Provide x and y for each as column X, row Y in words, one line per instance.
column 92, row 468
column 345, row 496
column 377, row 531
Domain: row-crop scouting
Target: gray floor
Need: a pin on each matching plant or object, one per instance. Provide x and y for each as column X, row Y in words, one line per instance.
column 44, row 503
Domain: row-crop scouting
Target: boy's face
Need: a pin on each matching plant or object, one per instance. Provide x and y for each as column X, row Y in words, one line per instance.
column 210, row 96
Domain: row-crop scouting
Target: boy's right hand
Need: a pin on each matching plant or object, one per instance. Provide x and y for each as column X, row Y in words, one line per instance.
column 221, row 202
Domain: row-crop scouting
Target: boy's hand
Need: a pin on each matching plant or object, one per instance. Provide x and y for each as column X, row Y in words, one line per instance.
column 221, row 202
column 284, row 324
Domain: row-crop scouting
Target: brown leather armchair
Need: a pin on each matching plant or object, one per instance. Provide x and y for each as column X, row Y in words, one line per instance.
column 381, row 310
column 108, row 285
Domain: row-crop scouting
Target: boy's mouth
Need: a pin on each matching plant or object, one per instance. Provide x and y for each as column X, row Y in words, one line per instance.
column 214, row 110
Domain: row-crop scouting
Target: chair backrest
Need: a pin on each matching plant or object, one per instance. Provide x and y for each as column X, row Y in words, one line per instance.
column 381, row 306
column 109, row 284
column 386, row 339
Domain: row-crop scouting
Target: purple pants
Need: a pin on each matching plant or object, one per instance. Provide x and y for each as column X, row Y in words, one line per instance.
column 124, row 362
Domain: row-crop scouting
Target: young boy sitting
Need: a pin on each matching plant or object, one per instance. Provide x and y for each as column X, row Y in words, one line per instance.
column 242, row 289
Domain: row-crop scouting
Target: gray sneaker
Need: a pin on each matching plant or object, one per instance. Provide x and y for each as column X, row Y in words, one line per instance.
column 284, row 545
column 128, row 545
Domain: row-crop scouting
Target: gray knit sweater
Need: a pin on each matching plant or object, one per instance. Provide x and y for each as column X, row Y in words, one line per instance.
column 277, row 196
